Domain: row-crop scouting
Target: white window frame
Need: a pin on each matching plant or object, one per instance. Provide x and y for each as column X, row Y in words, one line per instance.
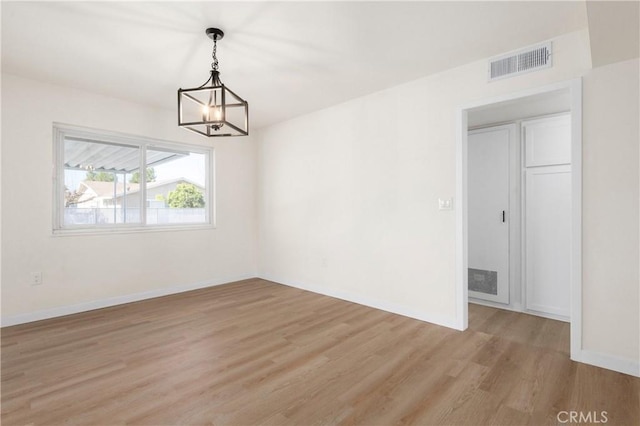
column 61, row 131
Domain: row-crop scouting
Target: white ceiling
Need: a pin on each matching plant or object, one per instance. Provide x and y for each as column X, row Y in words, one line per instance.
column 285, row 58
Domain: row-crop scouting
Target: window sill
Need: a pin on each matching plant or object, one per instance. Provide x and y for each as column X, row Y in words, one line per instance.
column 129, row 230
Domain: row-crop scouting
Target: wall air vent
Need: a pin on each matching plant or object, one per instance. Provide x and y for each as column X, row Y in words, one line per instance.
column 530, row 59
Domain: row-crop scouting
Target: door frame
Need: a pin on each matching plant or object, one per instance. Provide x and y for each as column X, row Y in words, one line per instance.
column 461, row 252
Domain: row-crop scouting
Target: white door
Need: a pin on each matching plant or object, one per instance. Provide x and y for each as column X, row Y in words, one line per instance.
column 488, row 212
column 548, row 215
column 548, row 239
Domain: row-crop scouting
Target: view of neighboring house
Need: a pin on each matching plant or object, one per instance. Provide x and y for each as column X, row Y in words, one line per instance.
column 98, row 194
column 99, row 202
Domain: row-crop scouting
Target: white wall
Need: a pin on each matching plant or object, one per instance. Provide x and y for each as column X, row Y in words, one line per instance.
column 348, row 196
column 87, row 269
column 358, row 185
column 611, row 279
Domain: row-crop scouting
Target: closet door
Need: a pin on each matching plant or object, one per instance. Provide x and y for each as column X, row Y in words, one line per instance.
column 488, row 204
column 548, row 215
column 548, row 239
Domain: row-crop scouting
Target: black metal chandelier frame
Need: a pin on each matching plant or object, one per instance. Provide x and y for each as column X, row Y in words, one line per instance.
column 212, row 109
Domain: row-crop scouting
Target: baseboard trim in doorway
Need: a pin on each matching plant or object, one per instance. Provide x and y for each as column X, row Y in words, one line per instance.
column 495, row 305
column 391, row 307
column 519, row 310
column 60, row 311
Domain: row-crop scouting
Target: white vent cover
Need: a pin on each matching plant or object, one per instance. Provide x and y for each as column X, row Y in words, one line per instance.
column 523, row 61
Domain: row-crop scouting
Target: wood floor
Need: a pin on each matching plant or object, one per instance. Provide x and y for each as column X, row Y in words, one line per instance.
column 255, row 352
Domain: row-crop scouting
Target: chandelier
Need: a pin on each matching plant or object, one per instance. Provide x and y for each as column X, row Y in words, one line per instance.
column 213, row 109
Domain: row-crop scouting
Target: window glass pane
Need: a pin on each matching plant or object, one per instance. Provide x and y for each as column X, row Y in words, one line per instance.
column 97, row 183
column 100, row 180
column 176, row 187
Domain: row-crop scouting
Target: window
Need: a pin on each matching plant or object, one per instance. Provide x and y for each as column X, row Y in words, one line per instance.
column 107, row 181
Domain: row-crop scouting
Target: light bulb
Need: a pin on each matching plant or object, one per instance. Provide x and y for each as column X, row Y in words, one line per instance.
column 211, row 113
column 205, row 113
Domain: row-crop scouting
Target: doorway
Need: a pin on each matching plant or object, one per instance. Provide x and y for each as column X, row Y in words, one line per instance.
column 492, row 210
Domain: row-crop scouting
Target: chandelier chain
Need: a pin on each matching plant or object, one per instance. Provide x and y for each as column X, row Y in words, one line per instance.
column 214, row 64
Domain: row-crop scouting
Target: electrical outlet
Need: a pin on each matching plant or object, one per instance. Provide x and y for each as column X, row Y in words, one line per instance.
column 36, row 278
column 445, row 204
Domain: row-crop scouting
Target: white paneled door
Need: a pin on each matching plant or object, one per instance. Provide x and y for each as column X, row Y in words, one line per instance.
column 548, row 215
column 488, row 212
column 548, row 246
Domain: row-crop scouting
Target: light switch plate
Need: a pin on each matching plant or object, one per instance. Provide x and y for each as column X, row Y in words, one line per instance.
column 445, row 204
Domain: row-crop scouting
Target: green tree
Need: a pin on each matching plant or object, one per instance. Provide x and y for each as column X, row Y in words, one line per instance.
column 100, row 176
column 151, row 176
column 185, row 196
column 71, row 197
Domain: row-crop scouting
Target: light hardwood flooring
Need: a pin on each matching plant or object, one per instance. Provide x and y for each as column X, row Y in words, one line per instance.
column 255, row 352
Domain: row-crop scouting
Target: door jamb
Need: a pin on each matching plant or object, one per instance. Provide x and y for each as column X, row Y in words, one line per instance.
column 461, row 252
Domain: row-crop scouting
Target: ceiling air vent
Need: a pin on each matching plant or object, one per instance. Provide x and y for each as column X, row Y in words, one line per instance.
column 520, row 62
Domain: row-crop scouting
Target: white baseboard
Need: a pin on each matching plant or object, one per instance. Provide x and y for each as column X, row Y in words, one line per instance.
column 372, row 303
column 519, row 309
column 610, row 362
column 10, row 320
column 494, row 305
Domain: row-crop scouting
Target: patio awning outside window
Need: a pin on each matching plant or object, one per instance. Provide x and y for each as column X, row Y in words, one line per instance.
column 86, row 154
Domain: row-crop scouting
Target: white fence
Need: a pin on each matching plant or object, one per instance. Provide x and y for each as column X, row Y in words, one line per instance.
column 155, row 216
